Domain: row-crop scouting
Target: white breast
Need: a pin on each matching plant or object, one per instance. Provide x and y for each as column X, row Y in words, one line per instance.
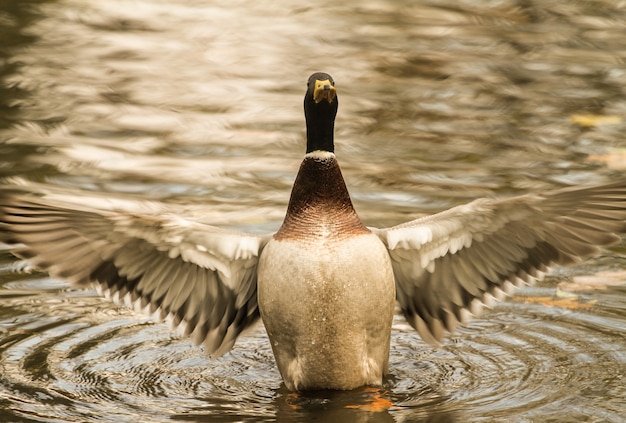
column 327, row 306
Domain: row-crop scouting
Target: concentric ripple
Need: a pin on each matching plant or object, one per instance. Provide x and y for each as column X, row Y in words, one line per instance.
column 68, row 355
column 521, row 361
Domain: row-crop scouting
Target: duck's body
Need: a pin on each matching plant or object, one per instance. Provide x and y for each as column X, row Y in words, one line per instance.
column 325, row 287
column 329, row 321
column 324, row 284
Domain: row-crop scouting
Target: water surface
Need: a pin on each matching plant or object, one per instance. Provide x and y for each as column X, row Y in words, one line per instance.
column 199, row 104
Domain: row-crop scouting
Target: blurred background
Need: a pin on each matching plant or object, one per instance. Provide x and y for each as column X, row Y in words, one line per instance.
column 198, row 104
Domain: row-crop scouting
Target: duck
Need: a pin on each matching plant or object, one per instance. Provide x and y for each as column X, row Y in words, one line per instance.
column 325, row 286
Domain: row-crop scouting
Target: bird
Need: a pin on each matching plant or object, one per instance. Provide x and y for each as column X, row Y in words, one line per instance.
column 324, row 285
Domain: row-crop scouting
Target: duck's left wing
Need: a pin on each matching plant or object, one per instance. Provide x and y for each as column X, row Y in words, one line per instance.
column 198, row 276
column 449, row 264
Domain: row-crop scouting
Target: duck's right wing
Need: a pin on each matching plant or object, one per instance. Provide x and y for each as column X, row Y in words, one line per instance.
column 198, row 276
column 447, row 265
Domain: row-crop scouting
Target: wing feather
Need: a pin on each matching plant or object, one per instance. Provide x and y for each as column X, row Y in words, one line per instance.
column 195, row 275
column 450, row 264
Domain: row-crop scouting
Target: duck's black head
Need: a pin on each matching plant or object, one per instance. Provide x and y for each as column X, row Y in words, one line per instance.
column 320, row 109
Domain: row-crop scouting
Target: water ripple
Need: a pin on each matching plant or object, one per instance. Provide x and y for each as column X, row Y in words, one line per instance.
column 523, row 359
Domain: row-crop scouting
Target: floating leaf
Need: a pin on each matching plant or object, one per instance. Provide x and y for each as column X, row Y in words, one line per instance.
column 595, row 120
column 570, row 302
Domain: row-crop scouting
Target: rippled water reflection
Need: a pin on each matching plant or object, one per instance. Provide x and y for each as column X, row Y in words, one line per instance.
column 199, row 103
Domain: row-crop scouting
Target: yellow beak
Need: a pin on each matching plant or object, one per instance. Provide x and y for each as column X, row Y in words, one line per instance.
column 324, row 90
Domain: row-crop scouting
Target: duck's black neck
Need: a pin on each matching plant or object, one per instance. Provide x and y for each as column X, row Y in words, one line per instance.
column 320, row 126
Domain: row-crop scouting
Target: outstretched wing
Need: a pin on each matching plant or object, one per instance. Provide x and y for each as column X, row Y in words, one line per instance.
column 198, row 276
column 449, row 264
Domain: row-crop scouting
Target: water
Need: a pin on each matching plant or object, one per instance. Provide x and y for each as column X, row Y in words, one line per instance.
column 199, row 104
